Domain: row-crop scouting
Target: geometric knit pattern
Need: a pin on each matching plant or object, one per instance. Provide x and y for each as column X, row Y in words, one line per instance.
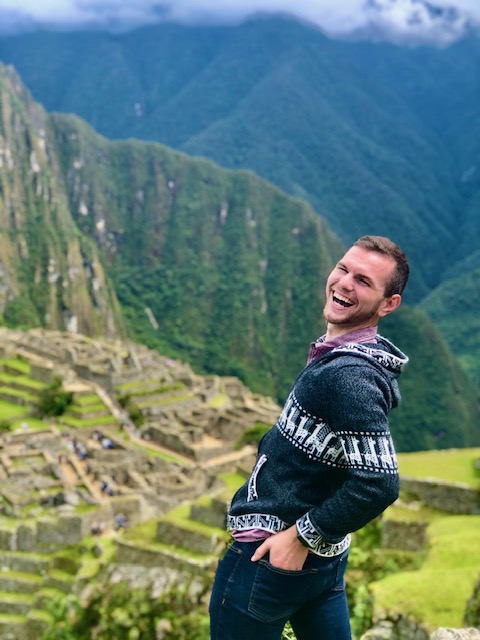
column 363, row 450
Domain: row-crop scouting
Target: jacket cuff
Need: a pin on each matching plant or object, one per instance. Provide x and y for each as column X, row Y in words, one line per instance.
column 307, row 534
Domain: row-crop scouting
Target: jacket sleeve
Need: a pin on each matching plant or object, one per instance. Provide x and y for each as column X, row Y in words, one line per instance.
column 356, row 401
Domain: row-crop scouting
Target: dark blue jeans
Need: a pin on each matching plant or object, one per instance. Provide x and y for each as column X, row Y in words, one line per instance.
column 255, row 600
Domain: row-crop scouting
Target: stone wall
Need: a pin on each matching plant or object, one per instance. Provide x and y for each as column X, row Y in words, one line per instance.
column 447, row 496
column 130, row 554
column 456, row 634
column 405, row 535
column 397, row 627
column 403, row 629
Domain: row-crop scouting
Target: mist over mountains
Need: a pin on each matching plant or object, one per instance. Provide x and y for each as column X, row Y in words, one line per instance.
column 410, row 22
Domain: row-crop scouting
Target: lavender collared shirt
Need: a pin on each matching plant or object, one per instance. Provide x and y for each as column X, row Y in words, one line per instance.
column 322, row 345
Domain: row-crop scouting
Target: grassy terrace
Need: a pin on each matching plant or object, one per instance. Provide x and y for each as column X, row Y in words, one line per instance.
column 437, row 592
column 71, row 421
column 16, row 383
column 23, row 380
column 16, row 364
column 33, row 423
column 148, row 387
column 144, row 535
column 11, row 411
column 451, row 465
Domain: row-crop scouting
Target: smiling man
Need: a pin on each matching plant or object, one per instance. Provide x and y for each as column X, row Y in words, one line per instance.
column 324, row 470
column 362, row 287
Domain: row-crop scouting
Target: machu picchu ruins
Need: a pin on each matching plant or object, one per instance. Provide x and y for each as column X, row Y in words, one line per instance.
column 91, row 475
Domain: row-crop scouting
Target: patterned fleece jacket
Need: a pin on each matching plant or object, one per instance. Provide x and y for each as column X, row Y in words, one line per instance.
column 329, row 463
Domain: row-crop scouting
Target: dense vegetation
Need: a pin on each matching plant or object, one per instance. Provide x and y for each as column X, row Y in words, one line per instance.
column 378, row 138
column 212, row 266
column 437, row 396
column 125, row 613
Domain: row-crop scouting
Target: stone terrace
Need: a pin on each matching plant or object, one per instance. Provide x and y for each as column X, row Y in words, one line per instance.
column 63, row 480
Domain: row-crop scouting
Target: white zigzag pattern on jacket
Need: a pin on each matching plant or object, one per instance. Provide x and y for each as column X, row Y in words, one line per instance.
column 371, row 451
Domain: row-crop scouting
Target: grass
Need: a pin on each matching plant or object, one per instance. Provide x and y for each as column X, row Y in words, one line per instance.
column 88, row 399
column 451, row 465
column 233, row 481
column 33, row 423
column 22, row 576
column 437, row 593
column 81, row 410
column 405, row 514
column 148, row 387
column 143, row 532
column 218, row 401
column 21, row 394
column 20, row 597
column 89, row 422
column 166, row 400
column 154, row 453
column 23, row 380
column 144, row 535
column 9, row 618
column 15, row 363
column 11, row 411
column 180, row 517
column 61, row 576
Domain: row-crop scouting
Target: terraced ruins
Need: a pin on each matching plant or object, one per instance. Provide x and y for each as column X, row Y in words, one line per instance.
column 90, row 488
column 132, row 481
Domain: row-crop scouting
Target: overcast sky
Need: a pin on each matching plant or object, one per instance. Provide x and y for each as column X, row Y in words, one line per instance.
column 440, row 21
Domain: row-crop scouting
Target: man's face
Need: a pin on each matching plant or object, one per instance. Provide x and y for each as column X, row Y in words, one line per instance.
column 355, row 291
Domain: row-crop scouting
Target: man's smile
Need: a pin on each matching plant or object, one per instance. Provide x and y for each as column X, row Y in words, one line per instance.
column 339, row 299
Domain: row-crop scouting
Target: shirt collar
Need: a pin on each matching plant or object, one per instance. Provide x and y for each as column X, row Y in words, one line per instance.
column 322, row 345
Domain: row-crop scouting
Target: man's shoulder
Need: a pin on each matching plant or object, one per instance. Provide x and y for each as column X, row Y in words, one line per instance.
column 383, row 354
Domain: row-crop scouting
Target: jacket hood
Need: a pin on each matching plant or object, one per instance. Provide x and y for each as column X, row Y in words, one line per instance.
column 384, row 353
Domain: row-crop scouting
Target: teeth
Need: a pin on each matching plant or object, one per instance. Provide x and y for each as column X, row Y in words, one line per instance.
column 343, row 300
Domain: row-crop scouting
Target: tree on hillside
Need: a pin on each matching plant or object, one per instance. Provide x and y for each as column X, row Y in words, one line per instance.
column 54, row 400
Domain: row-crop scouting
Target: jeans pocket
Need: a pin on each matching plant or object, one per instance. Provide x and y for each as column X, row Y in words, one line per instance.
column 277, row 593
column 340, row 572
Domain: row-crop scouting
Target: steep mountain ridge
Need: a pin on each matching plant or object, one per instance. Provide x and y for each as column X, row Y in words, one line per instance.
column 367, row 133
column 50, row 273
column 216, row 267
column 378, row 138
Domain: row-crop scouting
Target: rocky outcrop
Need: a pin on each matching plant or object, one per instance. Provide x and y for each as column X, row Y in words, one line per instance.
column 404, row 629
column 456, row 634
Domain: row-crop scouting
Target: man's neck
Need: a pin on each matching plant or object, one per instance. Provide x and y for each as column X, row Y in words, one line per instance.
column 360, row 334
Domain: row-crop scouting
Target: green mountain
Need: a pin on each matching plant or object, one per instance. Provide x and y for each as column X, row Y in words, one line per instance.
column 50, row 273
column 455, row 305
column 213, row 266
column 437, row 397
column 374, row 136
column 218, row 267
column 377, row 138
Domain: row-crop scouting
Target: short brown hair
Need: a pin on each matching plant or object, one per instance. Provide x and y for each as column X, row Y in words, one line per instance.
column 383, row 245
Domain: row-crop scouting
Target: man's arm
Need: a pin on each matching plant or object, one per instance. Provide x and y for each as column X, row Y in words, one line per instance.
column 357, row 410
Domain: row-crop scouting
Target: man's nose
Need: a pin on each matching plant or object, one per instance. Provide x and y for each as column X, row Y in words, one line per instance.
column 346, row 281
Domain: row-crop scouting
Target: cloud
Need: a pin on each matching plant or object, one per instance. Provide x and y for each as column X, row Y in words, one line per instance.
column 440, row 21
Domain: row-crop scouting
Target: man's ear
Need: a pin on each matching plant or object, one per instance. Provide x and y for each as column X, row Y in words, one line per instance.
column 390, row 305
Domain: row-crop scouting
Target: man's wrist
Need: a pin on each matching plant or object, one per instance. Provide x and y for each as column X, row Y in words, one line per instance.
column 302, row 540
